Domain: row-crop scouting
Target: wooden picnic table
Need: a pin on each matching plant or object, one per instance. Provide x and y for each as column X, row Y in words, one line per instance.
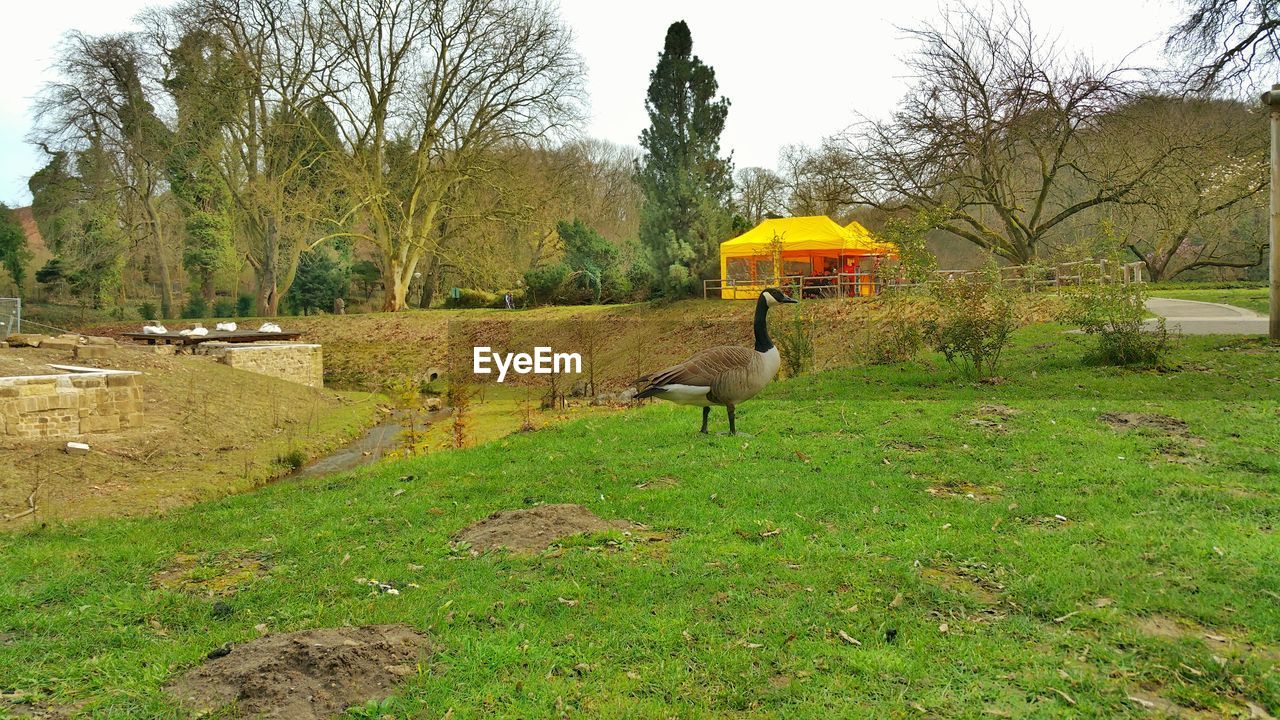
column 237, row 336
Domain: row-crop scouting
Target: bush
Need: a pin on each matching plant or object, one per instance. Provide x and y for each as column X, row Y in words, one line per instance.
column 244, row 305
column 894, row 339
column 148, row 311
column 292, row 459
column 224, row 308
column 1114, row 316
column 976, row 316
column 196, row 307
column 546, row 283
column 471, row 298
column 795, row 343
column 641, row 277
column 323, row 276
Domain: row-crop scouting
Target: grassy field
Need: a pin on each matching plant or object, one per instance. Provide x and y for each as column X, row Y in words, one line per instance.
column 889, row 542
column 1255, row 299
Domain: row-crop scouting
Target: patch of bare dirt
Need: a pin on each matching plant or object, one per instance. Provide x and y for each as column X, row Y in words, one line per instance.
column 964, row 582
column 19, row 705
column 304, row 675
column 1169, row 628
column 1228, row 709
column 535, row 529
column 220, row 575
column 993, row 416
column 1148, row 421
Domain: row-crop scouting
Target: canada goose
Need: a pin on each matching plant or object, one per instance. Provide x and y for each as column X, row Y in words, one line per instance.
column 724, row 375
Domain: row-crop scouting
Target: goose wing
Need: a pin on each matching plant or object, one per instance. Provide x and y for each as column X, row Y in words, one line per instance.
column 702, row 369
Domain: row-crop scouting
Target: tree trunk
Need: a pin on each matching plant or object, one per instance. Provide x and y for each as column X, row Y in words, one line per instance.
column 400, row 267
column 429, row 281
column 166, row 281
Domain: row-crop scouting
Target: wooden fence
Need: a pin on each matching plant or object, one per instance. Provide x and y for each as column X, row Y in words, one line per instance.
column 1027, row 277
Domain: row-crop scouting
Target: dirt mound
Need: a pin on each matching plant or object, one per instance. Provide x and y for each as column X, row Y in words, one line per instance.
column 304, row 675
column 1153, row 421
column 535, row 529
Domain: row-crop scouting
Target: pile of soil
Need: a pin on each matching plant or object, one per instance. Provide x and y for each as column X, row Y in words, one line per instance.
column 304, row 675
column 1153, row 421
column 535, row 529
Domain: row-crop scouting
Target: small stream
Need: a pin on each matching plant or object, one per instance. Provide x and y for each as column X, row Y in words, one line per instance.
column 370, row 447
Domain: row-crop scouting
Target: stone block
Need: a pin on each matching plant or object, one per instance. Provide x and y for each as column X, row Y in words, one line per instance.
column 58, row 344
column 99, row 340
column 84, row 352
column 160, row 349
column 25, row 340
column 99, row 423
column 36, row 389
column 121, row 380
column 89, row 381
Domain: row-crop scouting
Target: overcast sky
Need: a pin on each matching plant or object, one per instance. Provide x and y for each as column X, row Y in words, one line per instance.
column 795, row 71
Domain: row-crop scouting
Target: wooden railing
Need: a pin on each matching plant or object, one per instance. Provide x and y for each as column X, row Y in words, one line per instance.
column 1027, row 277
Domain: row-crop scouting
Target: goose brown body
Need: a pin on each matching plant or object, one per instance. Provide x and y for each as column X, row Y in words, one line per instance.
column 723, row 375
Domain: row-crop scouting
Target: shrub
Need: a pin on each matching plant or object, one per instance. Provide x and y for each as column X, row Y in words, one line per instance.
column 471, row 298
column 244, row 305
column 976, row 316
column 894, row 339
column 148, row 311
column 292, row 459
column 546, row 283
column 1114, row 317
column 795, row 343
column 196, row 307
column 224, row 308
column 641, row 277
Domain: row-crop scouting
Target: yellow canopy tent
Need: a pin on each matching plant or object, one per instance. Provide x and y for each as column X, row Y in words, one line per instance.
column 793, row 249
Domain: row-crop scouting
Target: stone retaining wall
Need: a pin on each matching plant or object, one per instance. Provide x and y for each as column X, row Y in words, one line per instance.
column 72, row 403
column 296, row 362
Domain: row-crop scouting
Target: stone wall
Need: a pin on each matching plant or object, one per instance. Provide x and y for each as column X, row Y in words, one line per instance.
column 72, row 403
column 296, row 362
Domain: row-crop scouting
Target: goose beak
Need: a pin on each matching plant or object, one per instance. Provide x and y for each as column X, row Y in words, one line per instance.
column 789, row 299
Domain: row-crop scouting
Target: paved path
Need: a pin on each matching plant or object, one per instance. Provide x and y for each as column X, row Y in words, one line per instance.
column 1192, row 317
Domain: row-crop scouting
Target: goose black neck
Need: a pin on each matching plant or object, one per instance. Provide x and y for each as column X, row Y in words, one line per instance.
column 763, row 343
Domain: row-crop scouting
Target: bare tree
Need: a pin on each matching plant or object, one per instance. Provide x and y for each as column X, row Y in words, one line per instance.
column 997, row 137
column 423, row 89
column 759, row 193
column 821, row 181
column 1198, row 209
column 1228, row 43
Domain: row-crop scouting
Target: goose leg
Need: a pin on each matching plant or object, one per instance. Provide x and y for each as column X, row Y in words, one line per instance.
column 706, row 412
column 732, row 430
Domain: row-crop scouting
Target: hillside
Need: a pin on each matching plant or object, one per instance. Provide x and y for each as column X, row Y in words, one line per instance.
column 210, row 431
column 368, row 351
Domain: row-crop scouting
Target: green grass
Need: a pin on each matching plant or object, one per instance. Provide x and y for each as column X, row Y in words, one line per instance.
column 729, row 618
column 1254, row 298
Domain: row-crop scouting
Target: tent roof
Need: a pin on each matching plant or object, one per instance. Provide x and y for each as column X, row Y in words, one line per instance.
column 814, row 232
column 862, row 233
